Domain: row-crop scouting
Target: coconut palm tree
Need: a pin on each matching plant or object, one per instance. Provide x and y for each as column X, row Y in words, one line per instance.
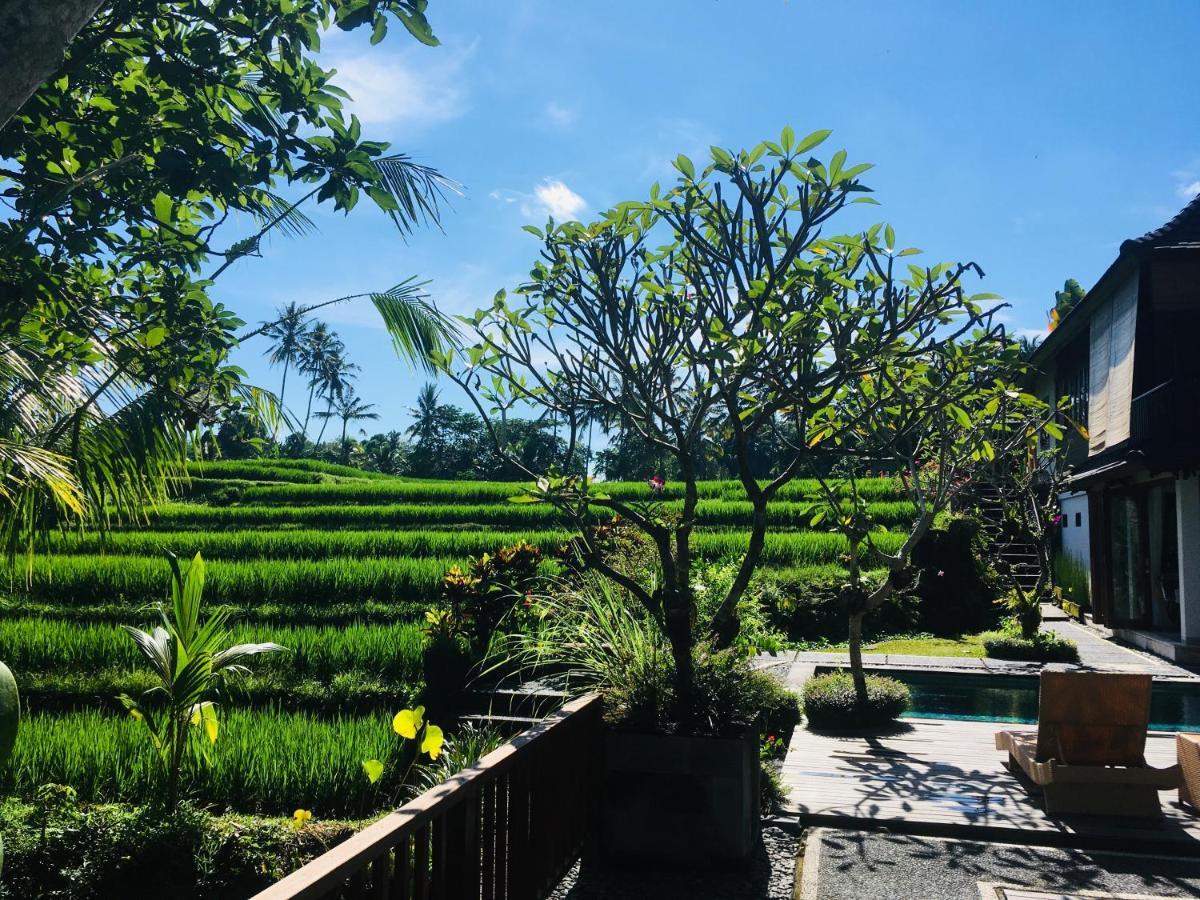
column 319, row 345
column 288, row 333
column 336, row 376
column 425, row 414
column 349, row 408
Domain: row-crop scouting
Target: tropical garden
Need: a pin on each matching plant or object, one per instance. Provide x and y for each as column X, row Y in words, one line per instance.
column 710, row 426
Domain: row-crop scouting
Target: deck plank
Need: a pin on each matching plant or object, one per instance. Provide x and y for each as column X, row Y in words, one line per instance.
column 944, row 773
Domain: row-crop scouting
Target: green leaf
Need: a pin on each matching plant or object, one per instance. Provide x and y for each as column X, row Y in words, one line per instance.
column 961, row 416
column 787, row 138
column 374, row 769
column 155, row 336
column 162, row 207
column 813, row 140
column 889, row 237
column 684, row 165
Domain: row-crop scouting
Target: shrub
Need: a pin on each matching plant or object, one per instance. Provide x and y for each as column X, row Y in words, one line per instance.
column 1042, row 647
column 954, row 589
column 58, row 849
column 830, row 701
column 1071, row 578
column 603, row 642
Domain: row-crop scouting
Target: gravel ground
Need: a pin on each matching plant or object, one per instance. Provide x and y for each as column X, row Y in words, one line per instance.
column 771, row 876
column 857, row 865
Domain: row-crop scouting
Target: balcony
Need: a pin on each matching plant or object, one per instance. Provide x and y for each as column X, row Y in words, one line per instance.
column 1165, row 421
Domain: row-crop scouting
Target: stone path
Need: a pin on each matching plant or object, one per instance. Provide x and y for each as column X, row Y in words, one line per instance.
column 1098, row 652
column 849, row 865
column 1095, row 652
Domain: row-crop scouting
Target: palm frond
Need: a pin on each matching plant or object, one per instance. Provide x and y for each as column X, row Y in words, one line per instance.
column 275, row 212
column 417, row 327
column 416, row 191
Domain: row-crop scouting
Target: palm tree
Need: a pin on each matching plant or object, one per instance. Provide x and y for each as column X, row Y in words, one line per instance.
column 349, row 408
column 425, row 414
column 336, row 375
column 288, row 332
column 319, row 345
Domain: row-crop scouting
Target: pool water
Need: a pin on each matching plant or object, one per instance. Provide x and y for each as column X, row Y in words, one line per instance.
column 1014, row 698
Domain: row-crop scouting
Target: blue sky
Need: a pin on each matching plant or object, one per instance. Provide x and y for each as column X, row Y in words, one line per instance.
column 1029, row 137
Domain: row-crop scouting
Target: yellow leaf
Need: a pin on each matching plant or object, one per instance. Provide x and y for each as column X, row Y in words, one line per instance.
column 300, row 818
column 211, row 727
column 432, row 742
column 374, row 769
column 407, row 722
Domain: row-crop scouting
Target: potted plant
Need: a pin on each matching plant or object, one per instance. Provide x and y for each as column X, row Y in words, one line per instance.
column 682, row 783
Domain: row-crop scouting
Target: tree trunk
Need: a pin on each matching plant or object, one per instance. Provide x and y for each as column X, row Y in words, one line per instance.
column 35, row 39
column 679, row 633
column 856, row 660
column 282, row 389
column 345, row 446
column 308, row 410
column 325, row 423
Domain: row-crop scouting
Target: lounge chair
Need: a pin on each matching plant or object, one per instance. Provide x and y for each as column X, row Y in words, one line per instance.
column 1087, row 756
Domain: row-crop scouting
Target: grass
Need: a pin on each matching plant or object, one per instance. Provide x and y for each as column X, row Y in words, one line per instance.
column 391, row 652
column 296, row 470
column 497, row 514
column 399, row 490
column 968, row 646
column 267, row 761
column 788, row 548
column 132, row 580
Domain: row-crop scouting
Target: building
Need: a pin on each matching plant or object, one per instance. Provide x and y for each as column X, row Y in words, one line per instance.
column 1128, row 358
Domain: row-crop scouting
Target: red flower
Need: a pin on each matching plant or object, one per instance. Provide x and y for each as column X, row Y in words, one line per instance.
column 657, row 483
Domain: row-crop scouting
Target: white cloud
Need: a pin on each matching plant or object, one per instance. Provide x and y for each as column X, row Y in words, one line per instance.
column 559, row 115
column 1190, row 190
column 550, row 198
column 559, row 200
column 408, row 88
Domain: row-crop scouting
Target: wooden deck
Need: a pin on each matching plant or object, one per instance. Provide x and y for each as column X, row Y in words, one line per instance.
column 944, row 777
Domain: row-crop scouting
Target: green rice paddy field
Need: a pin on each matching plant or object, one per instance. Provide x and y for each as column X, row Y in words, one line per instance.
column 336, row 564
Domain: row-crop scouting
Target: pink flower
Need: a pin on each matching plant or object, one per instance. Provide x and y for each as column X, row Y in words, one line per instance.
column 941, row 572
column 657, row 483
column 1058, row 520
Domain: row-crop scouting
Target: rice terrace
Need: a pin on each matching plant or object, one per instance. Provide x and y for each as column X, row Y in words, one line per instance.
column 336, row 564
column 541, row 451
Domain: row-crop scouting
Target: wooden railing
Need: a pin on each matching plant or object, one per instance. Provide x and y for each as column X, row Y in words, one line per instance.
column 508, row 827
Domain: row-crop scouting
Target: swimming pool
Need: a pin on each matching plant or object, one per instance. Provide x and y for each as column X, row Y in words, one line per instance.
column 1014, row 698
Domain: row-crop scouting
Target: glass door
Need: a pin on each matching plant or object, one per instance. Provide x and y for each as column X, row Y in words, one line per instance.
column 1129, row 560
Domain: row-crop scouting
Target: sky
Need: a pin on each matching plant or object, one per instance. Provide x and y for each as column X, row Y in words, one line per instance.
column 1029, row 137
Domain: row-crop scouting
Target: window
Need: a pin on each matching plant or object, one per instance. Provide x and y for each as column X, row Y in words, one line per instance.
column 1078, row 520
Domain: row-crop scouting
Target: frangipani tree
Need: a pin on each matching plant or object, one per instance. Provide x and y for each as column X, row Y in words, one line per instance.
column 945, row 417
column 718, row 304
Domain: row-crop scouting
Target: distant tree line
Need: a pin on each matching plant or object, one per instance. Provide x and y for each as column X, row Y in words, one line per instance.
column 446, row 441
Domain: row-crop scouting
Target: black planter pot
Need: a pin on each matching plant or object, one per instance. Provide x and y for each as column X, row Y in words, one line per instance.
column 680, row 800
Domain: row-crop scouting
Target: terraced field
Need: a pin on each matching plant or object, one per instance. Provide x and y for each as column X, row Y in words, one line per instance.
column 337, row 565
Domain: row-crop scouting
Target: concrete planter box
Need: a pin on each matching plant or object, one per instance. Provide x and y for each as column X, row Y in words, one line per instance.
column 672, row 799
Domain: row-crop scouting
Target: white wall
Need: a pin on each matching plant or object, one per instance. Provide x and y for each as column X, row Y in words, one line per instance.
column 1075, row 543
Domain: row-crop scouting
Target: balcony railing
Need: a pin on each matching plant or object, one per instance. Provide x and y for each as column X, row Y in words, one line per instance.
column 1167, row 418
column 510, row 826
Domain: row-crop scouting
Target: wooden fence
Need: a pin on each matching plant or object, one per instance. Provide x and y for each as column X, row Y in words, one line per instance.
column 508, row 828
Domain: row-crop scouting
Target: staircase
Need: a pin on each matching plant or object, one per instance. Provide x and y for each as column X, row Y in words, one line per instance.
column 1014, row 559
column 511, row 706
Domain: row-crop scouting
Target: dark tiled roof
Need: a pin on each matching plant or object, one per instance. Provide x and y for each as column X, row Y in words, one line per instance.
column 1181, row 231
